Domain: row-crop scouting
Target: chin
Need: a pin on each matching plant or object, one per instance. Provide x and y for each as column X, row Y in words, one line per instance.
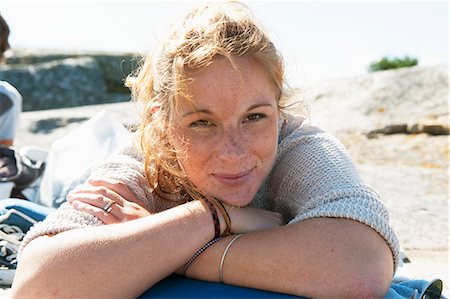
column 237, row 201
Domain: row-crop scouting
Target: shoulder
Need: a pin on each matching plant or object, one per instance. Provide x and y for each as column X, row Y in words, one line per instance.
column 310, row 163
column 297, row 137
column 10, row 91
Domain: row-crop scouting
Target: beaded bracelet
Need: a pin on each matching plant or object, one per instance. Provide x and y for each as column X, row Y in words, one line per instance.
column 200, row 251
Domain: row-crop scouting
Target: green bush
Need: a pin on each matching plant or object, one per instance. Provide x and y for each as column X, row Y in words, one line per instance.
column 387, row 63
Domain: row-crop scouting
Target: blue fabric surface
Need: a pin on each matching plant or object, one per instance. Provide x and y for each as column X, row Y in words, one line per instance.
column 176, row 286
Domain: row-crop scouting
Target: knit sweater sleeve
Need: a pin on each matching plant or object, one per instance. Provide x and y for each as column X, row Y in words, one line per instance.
column 314, row 177
column 126, row 166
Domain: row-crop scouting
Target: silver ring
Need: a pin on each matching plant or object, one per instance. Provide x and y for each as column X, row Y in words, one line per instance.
column 108, row 207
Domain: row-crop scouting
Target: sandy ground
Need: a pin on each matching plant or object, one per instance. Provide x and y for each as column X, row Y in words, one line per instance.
column 410, row 172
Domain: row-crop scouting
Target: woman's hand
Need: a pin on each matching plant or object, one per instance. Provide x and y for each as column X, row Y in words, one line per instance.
column 93, row 195
column 249, row 219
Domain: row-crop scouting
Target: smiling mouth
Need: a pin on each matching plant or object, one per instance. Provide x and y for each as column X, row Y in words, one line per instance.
column 233, row 179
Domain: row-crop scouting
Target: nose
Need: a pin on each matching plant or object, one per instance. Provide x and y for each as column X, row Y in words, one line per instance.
column 232, row 147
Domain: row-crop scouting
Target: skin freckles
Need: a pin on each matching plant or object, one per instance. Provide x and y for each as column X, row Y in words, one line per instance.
column 226, row 134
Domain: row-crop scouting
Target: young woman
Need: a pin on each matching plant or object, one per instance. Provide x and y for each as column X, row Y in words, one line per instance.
column 222, row 185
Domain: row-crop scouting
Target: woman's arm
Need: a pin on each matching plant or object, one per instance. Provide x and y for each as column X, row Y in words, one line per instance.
column 316, row 258
column 112, row 261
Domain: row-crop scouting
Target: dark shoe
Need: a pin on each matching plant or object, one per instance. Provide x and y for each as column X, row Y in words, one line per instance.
column 18, row 169
column 432, row 291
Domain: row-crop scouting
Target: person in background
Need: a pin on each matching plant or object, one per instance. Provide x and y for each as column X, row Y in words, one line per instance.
column 10, row 98
column 16, row 215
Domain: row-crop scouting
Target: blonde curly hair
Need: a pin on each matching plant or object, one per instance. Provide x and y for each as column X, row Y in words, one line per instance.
column 208, row 32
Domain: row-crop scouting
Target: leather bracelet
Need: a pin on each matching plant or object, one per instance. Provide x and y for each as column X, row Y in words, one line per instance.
column 214, row 204
column 215, row 218
column 227, row 218
column 219, row 205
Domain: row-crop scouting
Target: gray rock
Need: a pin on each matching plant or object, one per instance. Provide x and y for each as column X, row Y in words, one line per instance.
column 115, row 67
column 434, row 129
column 61, row 83
column 390, row 129
column 379, row 100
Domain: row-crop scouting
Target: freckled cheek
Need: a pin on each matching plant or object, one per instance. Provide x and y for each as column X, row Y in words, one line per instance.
column 198, row 154
column 264, row 144
column 194, row 154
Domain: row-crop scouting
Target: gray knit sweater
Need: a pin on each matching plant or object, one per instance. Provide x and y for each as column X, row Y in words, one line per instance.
column 313, row 176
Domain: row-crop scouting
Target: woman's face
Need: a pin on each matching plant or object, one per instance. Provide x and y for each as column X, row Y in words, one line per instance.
column 226, row 137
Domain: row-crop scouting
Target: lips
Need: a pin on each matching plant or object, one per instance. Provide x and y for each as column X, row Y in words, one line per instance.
column 233, row 179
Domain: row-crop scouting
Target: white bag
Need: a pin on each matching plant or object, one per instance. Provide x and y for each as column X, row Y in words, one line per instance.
column 72, row 157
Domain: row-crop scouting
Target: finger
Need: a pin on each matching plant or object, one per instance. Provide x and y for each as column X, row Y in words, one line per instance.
column 115, row 185
column 98, row 194
column 106, row 218
column 83, row 188
column 98, row 201
column 279, row 216
column 91, row 198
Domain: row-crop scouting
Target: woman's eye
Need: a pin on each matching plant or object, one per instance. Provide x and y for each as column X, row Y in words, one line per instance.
column 200, row 124
column 255, row 117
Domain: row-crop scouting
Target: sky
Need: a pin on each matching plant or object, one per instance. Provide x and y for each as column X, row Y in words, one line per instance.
column 319, row 40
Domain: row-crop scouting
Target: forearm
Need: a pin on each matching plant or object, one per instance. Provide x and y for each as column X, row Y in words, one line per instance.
column 319, row 258
column 121, row 260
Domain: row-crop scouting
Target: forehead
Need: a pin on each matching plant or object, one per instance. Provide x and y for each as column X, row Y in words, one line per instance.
column 242, row 79
column 237, row 68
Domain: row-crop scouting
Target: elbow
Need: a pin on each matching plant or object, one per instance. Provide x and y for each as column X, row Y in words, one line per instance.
column 28, row 285
column 32, row 279
column 365, row 279
column 369, row 269
column 367, row 287
column 360, row 287
column 28, row 289
column 372, row 281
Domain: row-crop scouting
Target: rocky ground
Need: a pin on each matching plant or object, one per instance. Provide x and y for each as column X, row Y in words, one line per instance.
column 409, row 171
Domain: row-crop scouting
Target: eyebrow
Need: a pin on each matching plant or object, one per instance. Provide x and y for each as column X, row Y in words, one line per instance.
column 206, row 111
